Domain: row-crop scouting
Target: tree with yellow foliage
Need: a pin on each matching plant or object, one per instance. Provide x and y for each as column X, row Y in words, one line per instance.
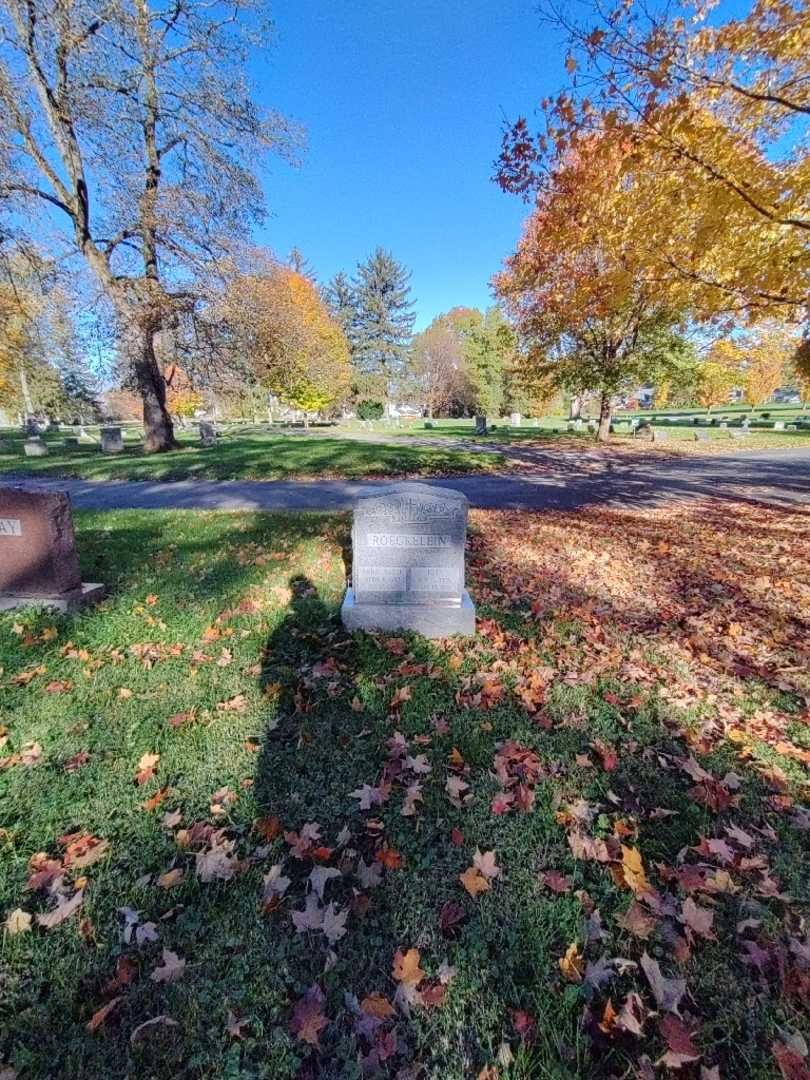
column 718, row 114
column 590, row 312
column 759, row 361
column 280, row 325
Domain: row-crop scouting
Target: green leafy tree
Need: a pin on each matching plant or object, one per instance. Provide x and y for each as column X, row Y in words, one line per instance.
column 384, row 320
column 489, row 350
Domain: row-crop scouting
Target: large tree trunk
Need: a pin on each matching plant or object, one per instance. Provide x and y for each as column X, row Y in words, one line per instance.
column 603, row 432
column 158, row 428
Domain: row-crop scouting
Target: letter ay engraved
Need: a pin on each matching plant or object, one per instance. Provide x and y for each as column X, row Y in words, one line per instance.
column 10, row 527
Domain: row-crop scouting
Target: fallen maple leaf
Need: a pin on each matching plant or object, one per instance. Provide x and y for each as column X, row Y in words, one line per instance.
column 171, row 878
column 156, row 799
column 474, row 881
column 790, row 1062
column 146, row 768
column 667, row 992
column 172, row 968
column 377, row 1005
column 486, row 864
column 17, row 922
column 308, row 1020
column 680, row 1048
column 239, row 703
column 63, row 910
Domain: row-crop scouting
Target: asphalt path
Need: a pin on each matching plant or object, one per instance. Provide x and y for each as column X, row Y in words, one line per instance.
column 780, row 477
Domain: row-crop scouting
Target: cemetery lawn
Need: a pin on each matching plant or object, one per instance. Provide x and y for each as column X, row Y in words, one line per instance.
column 238, row 843
column 251, row 455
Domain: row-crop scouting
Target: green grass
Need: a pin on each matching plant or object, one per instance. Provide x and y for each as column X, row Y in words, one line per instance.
column 246, row 455
column 205, row 607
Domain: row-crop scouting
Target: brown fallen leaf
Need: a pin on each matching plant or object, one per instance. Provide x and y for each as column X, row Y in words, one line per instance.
column 156, row 799
column 144, row 1030
column 100, row 1015
column 681, row 1050
column 377, row 1005
column 171, row 878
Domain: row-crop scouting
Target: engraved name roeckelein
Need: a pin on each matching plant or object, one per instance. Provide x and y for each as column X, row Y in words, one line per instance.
column 10, row 527
column 407, row 540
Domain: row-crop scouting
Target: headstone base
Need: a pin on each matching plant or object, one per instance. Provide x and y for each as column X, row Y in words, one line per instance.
column 431, row 621
column 90, row 592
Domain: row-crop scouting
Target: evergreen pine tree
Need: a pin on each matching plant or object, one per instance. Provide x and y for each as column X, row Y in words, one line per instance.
column 384, row 320
column 340, row 299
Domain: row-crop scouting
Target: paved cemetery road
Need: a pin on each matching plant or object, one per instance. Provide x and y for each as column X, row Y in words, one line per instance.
column 583, row 479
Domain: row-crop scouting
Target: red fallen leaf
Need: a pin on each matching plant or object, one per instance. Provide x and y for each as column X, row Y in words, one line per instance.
column 791, row 1064
column 433, row 995
column 98, row 1017
column 555, row 881
column 390, row 858
column 451, row 917
column 680, row 1048
column 525, row 1026
column 267, row 828
column 457, row 836
column 59, row 686
column 77, row 761
column 321, row 854
column 610, row 759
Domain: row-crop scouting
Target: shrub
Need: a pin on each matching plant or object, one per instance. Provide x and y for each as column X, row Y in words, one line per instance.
column 370, row 410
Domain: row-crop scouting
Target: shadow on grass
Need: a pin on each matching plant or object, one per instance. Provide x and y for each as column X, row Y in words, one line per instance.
column 337, row 710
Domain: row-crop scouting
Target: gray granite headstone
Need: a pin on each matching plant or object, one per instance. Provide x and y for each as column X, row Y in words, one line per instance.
column 480, row 425
column 779, row 425
column 408, row 562
column 208, row 433
column 35, row 447
column 515, row 419
column 112, row 440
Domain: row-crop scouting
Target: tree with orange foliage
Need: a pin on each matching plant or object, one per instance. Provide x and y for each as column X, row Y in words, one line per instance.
column 181, row 398
column 590, row 312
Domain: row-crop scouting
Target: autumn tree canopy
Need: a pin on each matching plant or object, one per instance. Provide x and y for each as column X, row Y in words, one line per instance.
column 591, row 311
column 279, row 323
column 718, row 115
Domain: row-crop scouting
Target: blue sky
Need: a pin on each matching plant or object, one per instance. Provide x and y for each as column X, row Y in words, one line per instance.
column 403, row 102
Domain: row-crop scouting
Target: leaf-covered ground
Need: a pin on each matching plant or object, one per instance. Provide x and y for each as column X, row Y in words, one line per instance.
column 236, row 842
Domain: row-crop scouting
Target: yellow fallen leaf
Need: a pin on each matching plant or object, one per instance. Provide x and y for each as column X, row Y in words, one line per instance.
column 474, row 881
column 18, row 922
column 572, row 965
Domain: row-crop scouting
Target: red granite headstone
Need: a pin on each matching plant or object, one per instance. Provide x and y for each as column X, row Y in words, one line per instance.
column 37, row 547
